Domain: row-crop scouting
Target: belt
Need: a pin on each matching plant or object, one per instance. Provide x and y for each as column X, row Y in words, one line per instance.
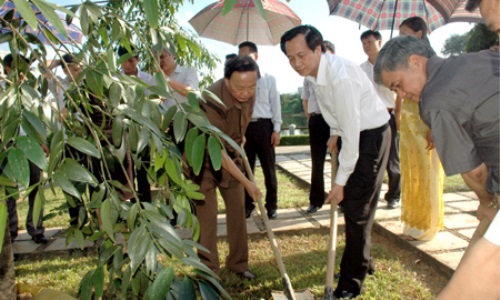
column 381, row 128
column 315, row 114
column 259, row 119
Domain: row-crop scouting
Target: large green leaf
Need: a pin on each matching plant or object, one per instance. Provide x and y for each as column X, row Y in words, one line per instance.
column 37, row 207
column 3, row 217
column 107, row 220
column 117, row 131
column 173, row 170
column 98, row 282
column 215, row 152
column 48, row 12
column 66, row 185
column 37, row 124
column 33, row 151
column 72, row 170
column 189, row 141
column 187, row 290
column 161, row 285
column 198, row 154
column 137, row 246
column 152, row 10
column 85, row 292
column 27, row 13
column 84, row 146
column 207, row 291
column 180, row 126
column 19, row 166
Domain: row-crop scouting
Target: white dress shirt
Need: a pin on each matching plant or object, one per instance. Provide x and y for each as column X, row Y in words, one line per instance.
column 385, row 94
column 187, row 76
column 267, row 101
column 349, row 104
column 147, row 78
column 309, row 95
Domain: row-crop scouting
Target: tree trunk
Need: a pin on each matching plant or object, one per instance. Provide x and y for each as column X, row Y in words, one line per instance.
column 7, row 275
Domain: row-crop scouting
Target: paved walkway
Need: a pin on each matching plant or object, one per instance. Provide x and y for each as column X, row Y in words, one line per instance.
column 443, row 253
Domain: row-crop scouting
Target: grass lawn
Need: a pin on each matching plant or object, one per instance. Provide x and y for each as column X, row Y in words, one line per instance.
column 400, row 275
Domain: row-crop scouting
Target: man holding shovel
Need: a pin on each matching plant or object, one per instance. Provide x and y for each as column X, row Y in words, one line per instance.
column 237, row 93
column 354, row 112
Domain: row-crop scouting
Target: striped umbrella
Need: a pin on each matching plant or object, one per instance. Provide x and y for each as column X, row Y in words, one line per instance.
column 244, row 23
column 388, row 14
column 8, row 8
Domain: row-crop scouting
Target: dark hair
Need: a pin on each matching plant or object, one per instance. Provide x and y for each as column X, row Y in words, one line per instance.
column 369, row 33
column 417, row 24
column 231, row 56
column 242, row 63
column 472, row 5
column 122, row 51
column 250, row 45
column 69, row 58
column 329, row 46
column 311, row 34
column 9, row 58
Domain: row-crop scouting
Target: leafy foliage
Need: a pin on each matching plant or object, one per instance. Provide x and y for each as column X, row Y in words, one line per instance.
column 111, row 118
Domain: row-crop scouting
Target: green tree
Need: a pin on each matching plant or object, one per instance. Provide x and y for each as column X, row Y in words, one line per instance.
column 480, row 38
column 152, row 262
column 455, row 45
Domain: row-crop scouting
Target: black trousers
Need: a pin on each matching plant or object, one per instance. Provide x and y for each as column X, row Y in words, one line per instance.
column 361, row 195
column 35, row 175
column 258, row 143
column 319, row 133
column 393, row 171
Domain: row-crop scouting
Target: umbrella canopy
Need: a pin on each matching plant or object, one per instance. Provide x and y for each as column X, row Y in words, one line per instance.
column 244, row 23
column 388, row 14
column 74, row 33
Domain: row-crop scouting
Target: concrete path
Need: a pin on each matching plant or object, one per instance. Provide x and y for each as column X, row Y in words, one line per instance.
column 443, row 253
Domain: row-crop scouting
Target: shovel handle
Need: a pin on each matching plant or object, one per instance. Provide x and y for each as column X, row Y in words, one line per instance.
column 332, row 243
column 274, row 244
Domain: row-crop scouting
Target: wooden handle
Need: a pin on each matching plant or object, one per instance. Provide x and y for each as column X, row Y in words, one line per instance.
column 274, row 244
column 332, row 243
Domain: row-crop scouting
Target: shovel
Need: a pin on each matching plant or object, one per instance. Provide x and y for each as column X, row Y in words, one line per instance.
column 289, row 293
column 332, row 243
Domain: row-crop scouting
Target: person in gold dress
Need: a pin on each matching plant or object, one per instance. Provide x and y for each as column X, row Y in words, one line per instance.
column 422, row 176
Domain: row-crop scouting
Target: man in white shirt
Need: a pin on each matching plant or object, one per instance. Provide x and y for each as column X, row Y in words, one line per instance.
column 263, row 133
column 372, row 42
column 354, row 112
column 319, row 133
column 180, row 79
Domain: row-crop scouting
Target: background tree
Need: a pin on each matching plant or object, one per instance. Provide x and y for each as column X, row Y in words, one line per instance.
column 480, row 38
column 152, row 261
column 455, row 45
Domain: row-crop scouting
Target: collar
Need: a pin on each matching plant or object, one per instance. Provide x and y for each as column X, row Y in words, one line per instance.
column 433, row 65
column 321, row 79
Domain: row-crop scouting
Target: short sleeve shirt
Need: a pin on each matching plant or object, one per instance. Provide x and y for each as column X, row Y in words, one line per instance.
column 461, row 104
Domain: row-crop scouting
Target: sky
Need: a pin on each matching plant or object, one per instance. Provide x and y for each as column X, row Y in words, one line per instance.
column 342, row 32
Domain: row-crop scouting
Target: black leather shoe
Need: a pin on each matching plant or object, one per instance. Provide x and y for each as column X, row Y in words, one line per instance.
column 312, row 209
column 40, row 239
column 392, row 204
column 343, row 295
column 247, row 275
column 248, row 213
column 272, row 214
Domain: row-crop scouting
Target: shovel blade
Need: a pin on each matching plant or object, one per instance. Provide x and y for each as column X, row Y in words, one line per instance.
column 299, row 295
